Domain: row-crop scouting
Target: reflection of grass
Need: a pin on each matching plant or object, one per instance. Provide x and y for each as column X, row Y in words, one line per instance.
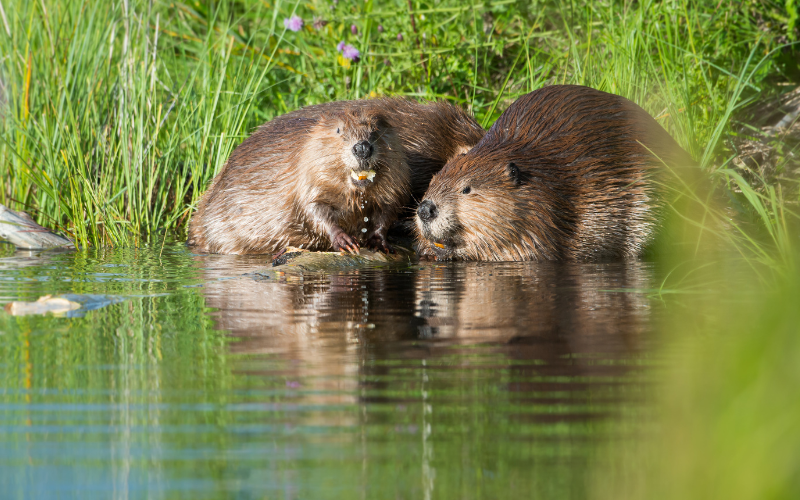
column 117, row 119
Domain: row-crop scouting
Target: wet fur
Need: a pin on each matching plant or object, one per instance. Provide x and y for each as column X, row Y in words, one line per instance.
column 431, row 134
column 289, row 183
column 566, row 173
column 285, row 184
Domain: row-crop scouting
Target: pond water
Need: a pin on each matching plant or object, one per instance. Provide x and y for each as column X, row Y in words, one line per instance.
column 195, row 379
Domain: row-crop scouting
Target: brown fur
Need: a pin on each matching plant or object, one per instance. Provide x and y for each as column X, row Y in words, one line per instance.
column 567, row 172
column 431, row 135
column 289, row 183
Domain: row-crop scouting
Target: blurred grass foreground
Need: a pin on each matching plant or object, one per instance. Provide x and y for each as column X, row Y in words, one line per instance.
column 115, row 116
column 727, row 421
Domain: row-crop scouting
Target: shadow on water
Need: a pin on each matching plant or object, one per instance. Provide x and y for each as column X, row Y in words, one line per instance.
column 424, row 381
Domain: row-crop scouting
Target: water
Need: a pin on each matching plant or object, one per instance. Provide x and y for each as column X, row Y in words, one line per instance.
column 424, row 381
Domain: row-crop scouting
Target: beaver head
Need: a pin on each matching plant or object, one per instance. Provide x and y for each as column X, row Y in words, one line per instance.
column 365, row 143
column 479, row 208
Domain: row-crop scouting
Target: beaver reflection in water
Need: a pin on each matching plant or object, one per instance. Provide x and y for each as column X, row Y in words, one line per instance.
column 566, row 173
column 332, row 176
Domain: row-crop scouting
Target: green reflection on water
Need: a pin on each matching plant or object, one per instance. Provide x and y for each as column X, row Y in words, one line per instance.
column 470, row 381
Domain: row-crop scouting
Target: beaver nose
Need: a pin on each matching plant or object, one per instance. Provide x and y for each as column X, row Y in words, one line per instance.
column 362, row 149
column 427, row 211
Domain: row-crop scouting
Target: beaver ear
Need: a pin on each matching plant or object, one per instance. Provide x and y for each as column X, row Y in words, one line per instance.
column 460, row 151
column 513, row 172
column 382, row 122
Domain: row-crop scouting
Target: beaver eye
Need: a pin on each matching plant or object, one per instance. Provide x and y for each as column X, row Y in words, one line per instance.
column 466, row 190
column 337, row 130
column 514, row 174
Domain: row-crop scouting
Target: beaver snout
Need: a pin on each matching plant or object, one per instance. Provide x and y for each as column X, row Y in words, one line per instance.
column 362, row 150
column 427, row 211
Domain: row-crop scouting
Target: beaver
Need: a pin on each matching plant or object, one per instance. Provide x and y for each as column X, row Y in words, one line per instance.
column 329, row 176
column 432, row 133
column 566, row 173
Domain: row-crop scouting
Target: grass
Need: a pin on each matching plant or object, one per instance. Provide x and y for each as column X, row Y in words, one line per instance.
column 119, row 114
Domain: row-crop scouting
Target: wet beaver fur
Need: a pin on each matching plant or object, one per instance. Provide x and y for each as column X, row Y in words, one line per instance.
column 332, row 176
column 566, row 173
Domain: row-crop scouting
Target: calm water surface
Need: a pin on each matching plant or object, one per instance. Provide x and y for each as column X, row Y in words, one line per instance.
column 198, row 379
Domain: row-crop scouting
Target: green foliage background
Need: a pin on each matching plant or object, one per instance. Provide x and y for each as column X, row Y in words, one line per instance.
column 117, row 115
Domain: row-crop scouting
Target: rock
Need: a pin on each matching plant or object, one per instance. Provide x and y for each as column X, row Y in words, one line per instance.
column 19, row 229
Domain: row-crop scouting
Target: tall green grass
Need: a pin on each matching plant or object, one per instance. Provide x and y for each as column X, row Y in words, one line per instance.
column 120, row 113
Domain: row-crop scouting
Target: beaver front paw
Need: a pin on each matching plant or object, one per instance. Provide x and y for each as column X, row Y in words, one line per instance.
column 342, row 241
column 378, row 243
column 426, row 254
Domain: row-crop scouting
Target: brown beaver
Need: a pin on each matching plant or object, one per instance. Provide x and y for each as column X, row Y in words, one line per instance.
column 566, row 172
column 329, row 176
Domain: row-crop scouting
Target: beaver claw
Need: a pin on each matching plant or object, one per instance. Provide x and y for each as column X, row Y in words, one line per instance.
column 378, row 243
column 342, row 241
column 425, row 254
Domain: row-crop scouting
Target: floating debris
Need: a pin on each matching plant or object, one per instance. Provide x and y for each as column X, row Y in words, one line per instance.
column 45, row 304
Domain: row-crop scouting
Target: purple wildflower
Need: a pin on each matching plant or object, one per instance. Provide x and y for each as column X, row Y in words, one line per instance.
column 354, row 29
column 291, row 384
column 350, row 52
column 399, row 37
column 293, row 23
column 387, row 62
column 380, row 28
column 340, row 46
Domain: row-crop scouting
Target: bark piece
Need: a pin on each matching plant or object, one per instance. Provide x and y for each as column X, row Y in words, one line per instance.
column 297, row 260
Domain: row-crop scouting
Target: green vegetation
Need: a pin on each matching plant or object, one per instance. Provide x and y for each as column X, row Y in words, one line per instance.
column 119, row 114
